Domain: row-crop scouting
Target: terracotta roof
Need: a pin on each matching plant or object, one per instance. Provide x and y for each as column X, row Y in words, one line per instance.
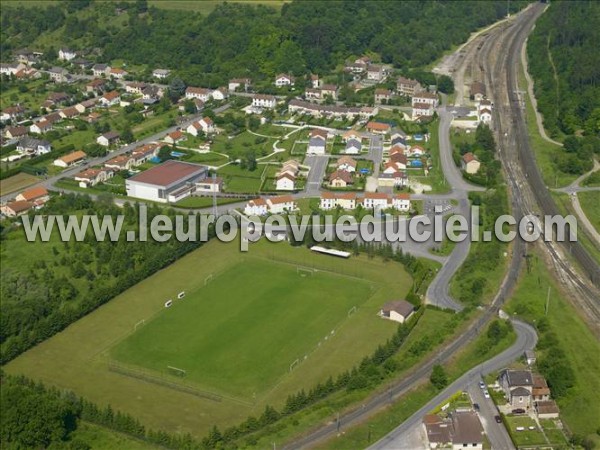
column 316, row 132
column 281, row 199
column 264, row 97
column 17, row 131
column 258, row 202
column 346, row 160
column 403, row 196
column 468, row 157
column 341, row 175
column 72, row 157
column 419, row 105
column 167, row 173
column 430, row 95
column 396, row 149
column 111, row 95
column 380, row 126
column 376, row 195
column 287, row 175
column 547, row 407
column 176, row 135
column 89, row 174
column 20, row 206
column 197, row 90
column 34, row 193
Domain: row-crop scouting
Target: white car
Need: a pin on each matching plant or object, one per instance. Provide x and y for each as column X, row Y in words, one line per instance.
column 482, row 385
column 486, row 394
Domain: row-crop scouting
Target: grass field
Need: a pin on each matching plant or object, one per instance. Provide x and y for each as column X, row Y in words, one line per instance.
column 104, row 439
column 254, row 319
column 16, row 183
column 77, row 358
column 590, row 203
column 206, row 6
column 579, row 409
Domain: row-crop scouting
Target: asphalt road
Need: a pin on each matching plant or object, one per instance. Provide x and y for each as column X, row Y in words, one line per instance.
column 526, row 340
column 318, row 166
column 496, row 432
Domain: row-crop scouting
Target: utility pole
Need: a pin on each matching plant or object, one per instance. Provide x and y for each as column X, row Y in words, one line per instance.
column 547, row 301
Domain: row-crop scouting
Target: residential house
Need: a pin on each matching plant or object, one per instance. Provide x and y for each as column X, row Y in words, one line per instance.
column 383, row 95
column 194, row 128
column 101, row 70
column 281, row 204
column 540, row 392
column 161, row 74
column 135, row 88
column 145, row 153
column 242, row 84
column 347, row 164
column 81, row 64
column 517, row 386
column 378, row 127
column 37, row 195
column 485, row 116
column 376, row 73
column 71, row 159
column 438, row 431
column 376, row 200
column 175, row 137
column 27, row 56
column 118, row 73
column 93, row 117
column 397, row 162
column 256, row 207
column 317, row 142
column 66, row 54
column 285, row 181
column 416, row 151
column 330, row 111
column 470, row 164
column 153, row 93
column 110, row 99
column 284, row 79
column 332, row 200
column 15, row 132
column 315, row 81
column 69, row 113
column 16, row 209
column 422, row 110
column 340, row 179
column 264, row 101
column 398, row 311
column 121, row 162
column 12, row 113
column 477, row 91
column 547, row 409
column 393, row 179
column 329, row 90
column 11, row 69
column 530, row 358
column 199, row 93
column 467, row 431
column 428, row 98
column 207, row 125
column 312, row 93
column 31, row 146
column 91, row 177
column 57, row 98
column 95, row 86
column 401, row 202
column 352, row 134
column 108, row 139
column 59, row 75
column 43, row 126
column 220, row 94
column 407, row 86
column 210, row 184
column 353, row 147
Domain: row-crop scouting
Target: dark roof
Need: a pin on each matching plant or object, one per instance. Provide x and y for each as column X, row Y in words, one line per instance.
column 520, row 392
column 316, row 142
column 402, row 307
column 29, row 142
column 111, row 135
column 467, row 428
column 547, row 407
column 518, row 377
column 168, row 173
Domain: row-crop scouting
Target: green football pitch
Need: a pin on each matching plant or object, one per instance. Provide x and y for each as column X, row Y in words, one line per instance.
column 241, row 331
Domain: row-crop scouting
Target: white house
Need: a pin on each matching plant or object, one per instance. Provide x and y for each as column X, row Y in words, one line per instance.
column 194, row 128
column 470, row 164
column 284, row 79
column 70, row 159
column 422, row 110
column 428, row 98
column 376, row 73
column 285, row 182
column 264, row 101
column 91, row 177
column 219, row 94
column 485, row 115
column 33, row 146
column 347, row 164
column 256, row 207
column 110, row 99
column 375, row 200
column 161, row 74
column 100, row 70
column 353, row 147
column 317, row 142
column 281, row 204
column 401, row 202
column 108, row 139
column 398, row 311
column 118, row 73
column 41, row 127
column 199, row 93
column 65, row 54
column 236, row 83
column 207, row 125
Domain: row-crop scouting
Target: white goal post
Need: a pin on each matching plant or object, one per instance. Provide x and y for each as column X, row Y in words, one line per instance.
column 177, row 371
column 294, row 364
column 304, row 271
column 139, row 324
column 208, row 279
column 351, row 311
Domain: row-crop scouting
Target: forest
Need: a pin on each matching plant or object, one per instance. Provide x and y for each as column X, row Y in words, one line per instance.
column 240, row 39
column 565, row 64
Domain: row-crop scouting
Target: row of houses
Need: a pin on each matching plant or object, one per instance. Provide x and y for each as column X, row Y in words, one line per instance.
column 206, row 94
column 286, row 177
column 343, row 176
column 270, row 205
column 331, row 111
column 371, row 200
column 30, row 199
column 527, row 391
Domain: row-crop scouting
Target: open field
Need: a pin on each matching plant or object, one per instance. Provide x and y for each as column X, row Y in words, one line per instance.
column 256, row 319
column 74, row 359
column 206, row 6
column 100, row 438
column 590, row 203
column 579, row 408
column 16, row 183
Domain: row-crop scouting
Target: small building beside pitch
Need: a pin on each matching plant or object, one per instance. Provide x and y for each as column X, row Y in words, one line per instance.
column 169, row 182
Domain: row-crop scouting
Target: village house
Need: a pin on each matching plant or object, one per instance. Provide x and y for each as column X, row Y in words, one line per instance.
column 274, row 205
column 59, row 75
column 376, row 73
column 207, row 125
column 15, row 132
column 118, row 73
column 477, row 90
column 38, row 195
column 91, row 177
column 284, row 79
column 398, row 311
column 330, row 111
column 353, row 147
column 175, row 137
column 219, row 94
column 395, row 179
column 16, row 209
column 256, row 207
column 378, row 127
column 340, row 179
column 71, row 159
column 382, row 95
column 135, row 87
column 27, row 56
column 396, row 163
column 69, row 113
column 415, row 151
column 57, row 98
column 43, row 126
column 110, row 99
column 485, row 116
column 144, row 153
column 12, row 113
column 101, row 70
column 121, row 162
column 421, row 110
column 428, row 98
column 312, row 93
column 346, row 163
column 376, row 200
column 317, row 142
column 31, row 146
column 66, row 54
column 11, row 68
column 462, row 429
column 285, row 181
column 241, row 84
column 352, row 134
column 81, row 64
column 194, row 129
column 517, row 386
column 96, row 86
column 470, row 164
column 152, row 94
column 332, row 200
column 108, row 139
column 161, row 74
column 264, row 101
column 199, row 93
column 407, row 86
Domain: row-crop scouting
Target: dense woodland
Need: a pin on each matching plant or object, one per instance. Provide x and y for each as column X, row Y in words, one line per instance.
column 565, row 64
column 240, row 40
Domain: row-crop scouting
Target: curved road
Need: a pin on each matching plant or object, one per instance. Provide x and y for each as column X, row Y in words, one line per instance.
column 526, row 340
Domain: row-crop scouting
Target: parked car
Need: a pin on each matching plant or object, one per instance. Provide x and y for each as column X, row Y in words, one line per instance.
column 498, row 419
column 482, row 385
column 518, row 411
column 486, row 394
column 476, row 406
